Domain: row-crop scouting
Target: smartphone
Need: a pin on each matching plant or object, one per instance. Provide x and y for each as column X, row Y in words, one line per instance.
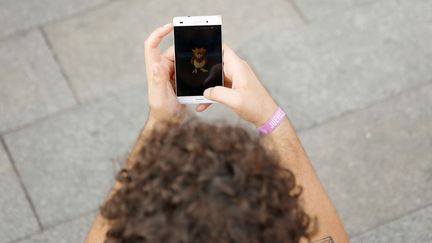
column 198, row 56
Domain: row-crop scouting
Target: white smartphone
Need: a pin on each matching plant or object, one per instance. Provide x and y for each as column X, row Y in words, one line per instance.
column 198, row 56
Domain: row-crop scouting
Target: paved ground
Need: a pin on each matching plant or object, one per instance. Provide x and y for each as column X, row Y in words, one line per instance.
column 354, row 76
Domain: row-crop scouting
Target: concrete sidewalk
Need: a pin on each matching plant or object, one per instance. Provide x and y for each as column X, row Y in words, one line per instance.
column 355, row 77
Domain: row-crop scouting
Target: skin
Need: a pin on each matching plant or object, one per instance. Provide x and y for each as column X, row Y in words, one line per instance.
column 245, row 95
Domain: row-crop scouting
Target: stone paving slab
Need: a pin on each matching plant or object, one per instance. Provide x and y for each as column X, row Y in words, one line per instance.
column 376, row 163
column 74, row 231
column 102, row 51
column 345, row 62
column 68, row 162
column 19, row 15
column 17, row 219
column 31, row 83
column 415, row 227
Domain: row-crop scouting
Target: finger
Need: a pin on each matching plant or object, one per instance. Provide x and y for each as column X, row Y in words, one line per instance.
column 169, row 53
column 202, row 107
column 229, row 54
column 231, row 61
column 173, row 84
column 151, row 45
column 157, row 35
column 223, row 95
column 169, row 60
column 226, row 48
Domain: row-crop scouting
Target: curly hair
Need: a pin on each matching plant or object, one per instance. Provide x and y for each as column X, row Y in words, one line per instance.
column 198, row 182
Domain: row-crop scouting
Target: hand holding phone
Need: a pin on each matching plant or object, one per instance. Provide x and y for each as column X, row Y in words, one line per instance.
column 247, row 97
column 163, row 102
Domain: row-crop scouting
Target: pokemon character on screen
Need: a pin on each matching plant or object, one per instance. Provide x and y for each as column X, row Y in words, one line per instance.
column 199, row 60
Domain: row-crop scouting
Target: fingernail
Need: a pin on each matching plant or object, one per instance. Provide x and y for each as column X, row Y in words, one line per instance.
column 167, row 25
column 207, row 92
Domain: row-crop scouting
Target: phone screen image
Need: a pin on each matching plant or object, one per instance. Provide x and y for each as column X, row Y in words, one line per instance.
column 198, row 58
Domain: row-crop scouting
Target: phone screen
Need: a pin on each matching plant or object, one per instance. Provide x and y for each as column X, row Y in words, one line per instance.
column 198, row 58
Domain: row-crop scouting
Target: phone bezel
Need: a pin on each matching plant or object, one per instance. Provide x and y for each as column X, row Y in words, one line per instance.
column 196, row 21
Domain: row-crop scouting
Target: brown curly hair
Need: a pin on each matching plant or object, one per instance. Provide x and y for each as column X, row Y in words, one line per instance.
column 199, row 182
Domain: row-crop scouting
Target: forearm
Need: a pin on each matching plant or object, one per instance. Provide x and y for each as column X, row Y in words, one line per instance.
column 100, row 225
column 316, row 201
column 144, row 134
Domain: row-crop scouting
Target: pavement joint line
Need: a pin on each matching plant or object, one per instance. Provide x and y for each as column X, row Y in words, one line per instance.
column 298, row 10
column 22, row 185
column 96, row 100
column 366, row 107
column 40, row 119
column 59, row 19
column 62, row 111
column 57, row 224
column 391, row 220
column 70, row 219
column 59, row 65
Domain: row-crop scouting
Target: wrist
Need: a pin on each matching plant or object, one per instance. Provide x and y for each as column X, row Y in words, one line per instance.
column 273, row 122
column 149, row 124
column 155, row 116
column 266, row 113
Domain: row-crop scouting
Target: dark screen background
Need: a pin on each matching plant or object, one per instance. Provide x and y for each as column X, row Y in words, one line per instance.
column 187, row 38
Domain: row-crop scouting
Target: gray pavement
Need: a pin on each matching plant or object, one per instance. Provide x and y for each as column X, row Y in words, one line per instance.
column 354, row 76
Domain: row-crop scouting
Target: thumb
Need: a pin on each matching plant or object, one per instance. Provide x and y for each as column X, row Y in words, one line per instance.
column 224, row 95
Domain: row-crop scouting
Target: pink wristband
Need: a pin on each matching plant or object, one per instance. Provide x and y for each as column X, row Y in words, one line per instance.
column 273, row 122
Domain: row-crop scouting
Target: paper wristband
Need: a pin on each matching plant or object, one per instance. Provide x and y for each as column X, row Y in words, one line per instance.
column 273, row 122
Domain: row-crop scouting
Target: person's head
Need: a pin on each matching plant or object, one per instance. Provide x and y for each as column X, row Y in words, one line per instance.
column 197, row 182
